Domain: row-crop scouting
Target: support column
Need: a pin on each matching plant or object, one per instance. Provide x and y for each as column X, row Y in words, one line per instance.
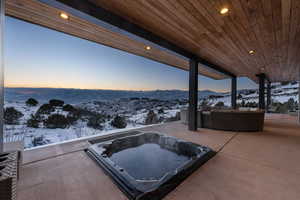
column 2, row 15
column 261, row 98
column 233, row 92
column 268, row 95
column 193, row 95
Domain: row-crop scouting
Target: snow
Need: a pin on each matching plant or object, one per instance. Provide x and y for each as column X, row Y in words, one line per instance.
column 106, row 133
column 283, row 99
column 135, row 111
column 226, row 100
column 43, row 136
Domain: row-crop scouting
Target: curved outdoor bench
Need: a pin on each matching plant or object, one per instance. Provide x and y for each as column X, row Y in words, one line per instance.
column 234, row 120
column 228, row 120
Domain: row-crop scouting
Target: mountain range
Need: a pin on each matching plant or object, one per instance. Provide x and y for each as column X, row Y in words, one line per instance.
column 87, row 95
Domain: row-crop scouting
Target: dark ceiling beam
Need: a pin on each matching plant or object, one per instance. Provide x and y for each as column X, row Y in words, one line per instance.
column 215, row 67
column 107, row 16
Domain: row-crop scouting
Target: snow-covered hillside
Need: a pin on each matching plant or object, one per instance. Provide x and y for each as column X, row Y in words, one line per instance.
column 279, row 93
column 86, row 113
column 135, row 112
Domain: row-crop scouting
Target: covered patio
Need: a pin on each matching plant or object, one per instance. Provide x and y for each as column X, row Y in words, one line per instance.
column 218, row 39
column 260, row 165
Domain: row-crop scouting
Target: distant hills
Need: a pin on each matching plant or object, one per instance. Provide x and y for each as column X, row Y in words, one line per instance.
column 280, row 92
column 82, row 95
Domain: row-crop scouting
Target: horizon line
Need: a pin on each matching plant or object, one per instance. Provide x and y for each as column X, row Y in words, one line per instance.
column 112, row 89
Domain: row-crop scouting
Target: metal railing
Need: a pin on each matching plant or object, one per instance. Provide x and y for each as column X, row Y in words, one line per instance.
column 13, row 138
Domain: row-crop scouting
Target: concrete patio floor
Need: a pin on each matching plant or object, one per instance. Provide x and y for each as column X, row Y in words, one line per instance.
column 263, row 165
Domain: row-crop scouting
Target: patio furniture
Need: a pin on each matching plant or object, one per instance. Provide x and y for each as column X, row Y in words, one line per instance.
column 184, row 117
column 9, row 165
column 228, row 120
column 234, row 120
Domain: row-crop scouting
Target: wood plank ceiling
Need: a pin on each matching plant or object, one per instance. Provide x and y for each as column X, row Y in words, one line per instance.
column 42, row 14
column 270, row 28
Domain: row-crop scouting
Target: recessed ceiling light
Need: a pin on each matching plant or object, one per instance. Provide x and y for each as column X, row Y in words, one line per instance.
column 64, row 16
column 148, row 47
column 223, row 11
column 262, row 69
column 251, row 52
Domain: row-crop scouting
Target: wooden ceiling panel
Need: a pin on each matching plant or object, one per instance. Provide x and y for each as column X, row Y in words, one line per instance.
column 39, row 13
column 269, row 27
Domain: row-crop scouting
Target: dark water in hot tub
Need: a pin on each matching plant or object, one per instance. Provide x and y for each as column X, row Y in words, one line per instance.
column 148, row 161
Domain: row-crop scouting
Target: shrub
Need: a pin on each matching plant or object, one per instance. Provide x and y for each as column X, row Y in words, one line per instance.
column 284, row 83
column 160, row 111
column 86, row 114
column 119, row 122
column 33, row 121
column 220, row 104
column 282, row 108
column 175, row 118
column 291, row 104
column 39, row 140
column 68, row 108
column 56, row 102
column 12, row 116
column 31, row 102
column 215, row 96
column 96, row 122
column 45, row 109
column 82, row 112
column 204, row 102
column 251, row 104
column 294, row 82
column 243, row 103
column 72, row 118
column 205, row 106
column 56, row 121
column 151, row 118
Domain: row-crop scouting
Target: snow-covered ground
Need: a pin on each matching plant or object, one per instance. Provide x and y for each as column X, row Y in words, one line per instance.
column 280, row 93
column 134, row 110
column 42, row 135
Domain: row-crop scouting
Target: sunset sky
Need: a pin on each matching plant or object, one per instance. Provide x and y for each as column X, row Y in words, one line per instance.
column 40, row 57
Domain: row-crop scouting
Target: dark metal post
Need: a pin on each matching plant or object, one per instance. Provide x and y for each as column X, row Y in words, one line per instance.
column 233, row 92
column 193, row 95
column 261, row 98
column 2, row 15
column 268, row 95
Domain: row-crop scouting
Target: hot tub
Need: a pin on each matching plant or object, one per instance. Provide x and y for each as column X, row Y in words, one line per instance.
column 148, row 165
